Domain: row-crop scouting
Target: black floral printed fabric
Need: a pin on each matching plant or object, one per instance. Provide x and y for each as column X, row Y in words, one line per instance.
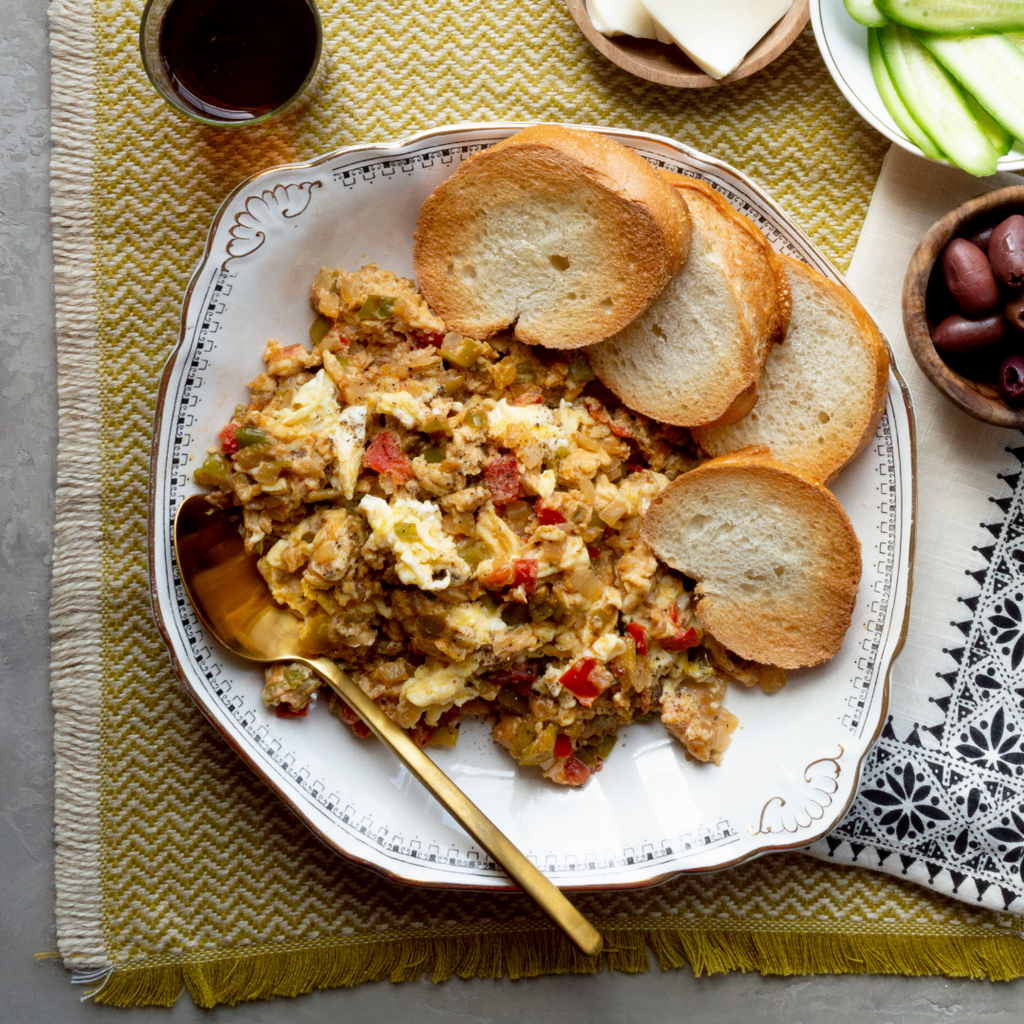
column 941, row 797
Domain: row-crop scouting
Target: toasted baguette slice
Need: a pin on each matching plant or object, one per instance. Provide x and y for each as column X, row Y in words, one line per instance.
column 561, row 232
column 823, row 390
column 774, row 553
column 695, row 355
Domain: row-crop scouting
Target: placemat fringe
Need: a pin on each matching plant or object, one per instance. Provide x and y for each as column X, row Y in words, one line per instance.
column 76, row 665
column 529, row 954
column 526, row 954
column 715, row 952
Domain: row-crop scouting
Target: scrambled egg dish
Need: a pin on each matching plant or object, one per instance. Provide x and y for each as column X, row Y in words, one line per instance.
column 457, row 524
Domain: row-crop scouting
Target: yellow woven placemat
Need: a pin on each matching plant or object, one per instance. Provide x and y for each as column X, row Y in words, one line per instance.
column 176, row 867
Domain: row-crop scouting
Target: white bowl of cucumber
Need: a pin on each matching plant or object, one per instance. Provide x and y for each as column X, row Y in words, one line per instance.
column 945, row 80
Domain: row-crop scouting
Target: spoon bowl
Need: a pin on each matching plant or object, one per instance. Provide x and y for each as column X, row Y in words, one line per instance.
column 232, row 600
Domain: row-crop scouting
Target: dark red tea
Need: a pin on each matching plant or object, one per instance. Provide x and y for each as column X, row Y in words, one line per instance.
column 234, row 60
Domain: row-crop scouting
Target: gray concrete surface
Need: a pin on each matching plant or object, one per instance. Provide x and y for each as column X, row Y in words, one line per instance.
column 41, row 993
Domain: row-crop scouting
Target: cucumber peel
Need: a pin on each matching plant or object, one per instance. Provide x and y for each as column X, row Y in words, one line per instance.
column 1001, row 138
column 989, row 67
column 891, row 98
column 864, row 12
column 956, row 17
column 935, row 102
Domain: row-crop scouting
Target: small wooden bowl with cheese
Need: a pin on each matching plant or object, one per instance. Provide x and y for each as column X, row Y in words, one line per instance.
column 666, row 64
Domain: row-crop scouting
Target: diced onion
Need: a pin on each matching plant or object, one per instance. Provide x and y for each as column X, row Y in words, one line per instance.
column 613, row 511
column 584, row 582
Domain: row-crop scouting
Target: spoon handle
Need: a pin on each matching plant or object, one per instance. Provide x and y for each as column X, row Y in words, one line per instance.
column 517, row 866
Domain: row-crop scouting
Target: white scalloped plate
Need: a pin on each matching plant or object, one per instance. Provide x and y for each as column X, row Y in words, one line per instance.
column 844, row 48
column 793, row 765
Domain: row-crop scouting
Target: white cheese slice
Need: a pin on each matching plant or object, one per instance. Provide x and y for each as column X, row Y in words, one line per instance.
column 716, row 36
column 553, row 428
column 437, row 686
column 424, row 554
column 400, row 404
column 621, row 18
column 314, row 406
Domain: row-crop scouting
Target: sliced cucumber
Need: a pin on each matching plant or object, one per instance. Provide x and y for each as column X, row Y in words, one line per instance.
column 1017, row 38
column 864, row 12
column 956, row 17
column 893, row 103
column 991, row 68
column 934, row 100
column 1001, row 138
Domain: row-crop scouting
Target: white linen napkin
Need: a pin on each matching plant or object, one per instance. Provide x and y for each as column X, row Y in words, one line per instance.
column 941, row 796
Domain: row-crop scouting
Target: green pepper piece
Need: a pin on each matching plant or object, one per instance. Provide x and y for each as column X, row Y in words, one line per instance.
column 525, row 373
column 377, row 307
column 474, row 552
column 318, row 329
column 461, row 351
column 513, row 700
column 477, row 419
column 579, row 369
column 436, row 425
column 524, row 736
column 445, row 736
column 214, row 472
column 434, row 455
column 542, row 612
column 249, row 437
column 407, row 531
column 604, row 747
column 542, row 748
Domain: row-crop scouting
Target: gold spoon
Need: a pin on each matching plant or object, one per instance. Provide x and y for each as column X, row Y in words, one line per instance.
column 232, row 600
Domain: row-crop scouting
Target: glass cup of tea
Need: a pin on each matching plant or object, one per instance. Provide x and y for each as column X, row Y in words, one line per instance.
column 232, row 63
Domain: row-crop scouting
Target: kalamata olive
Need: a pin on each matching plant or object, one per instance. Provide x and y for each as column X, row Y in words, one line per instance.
column 969, row 278
column 1014, row 310
column 1006, row 251
column 980, row 238
column 959, row 336
column 1011, row 380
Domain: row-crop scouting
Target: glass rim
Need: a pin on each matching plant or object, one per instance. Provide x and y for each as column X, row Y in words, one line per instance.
column 172, row 99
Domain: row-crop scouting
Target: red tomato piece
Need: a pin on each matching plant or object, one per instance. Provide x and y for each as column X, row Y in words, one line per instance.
column 526, row 574
column 563, row 746
column 593, row 552
column 351, row 719
column 576, row 679
column 421, row 734
column 518, row 677
column 503, row 575
column 681, row 641
column 575, row 772
column 385, row 456
column 501, row 474
column 528, row 398
column 639, row 635
column 228, row 443
column 423, row 340
column 284, row 710
column 548, row 516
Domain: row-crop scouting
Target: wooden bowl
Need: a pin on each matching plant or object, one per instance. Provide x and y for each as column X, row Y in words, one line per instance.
column 979, row 400
column 668, row 65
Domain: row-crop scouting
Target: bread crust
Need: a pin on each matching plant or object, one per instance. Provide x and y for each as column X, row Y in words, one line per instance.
column 491, row 240
column 667, row 372
column 775, row 556
column 822, row 452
